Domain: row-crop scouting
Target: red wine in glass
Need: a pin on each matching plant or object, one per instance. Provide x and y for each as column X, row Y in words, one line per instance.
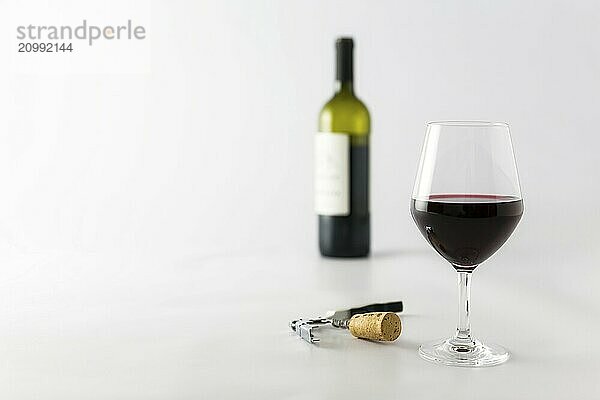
column 466, row 202
column 466, row 229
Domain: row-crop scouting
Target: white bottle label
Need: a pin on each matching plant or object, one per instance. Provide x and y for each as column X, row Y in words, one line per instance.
column 332, row 173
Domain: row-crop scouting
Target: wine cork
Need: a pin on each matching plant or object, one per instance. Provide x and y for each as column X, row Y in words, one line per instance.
column 383, row 326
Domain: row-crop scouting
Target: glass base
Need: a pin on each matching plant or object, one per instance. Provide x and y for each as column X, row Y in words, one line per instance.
column 463, row 353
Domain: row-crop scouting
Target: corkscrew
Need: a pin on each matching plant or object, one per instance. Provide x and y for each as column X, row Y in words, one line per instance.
column 306, row 327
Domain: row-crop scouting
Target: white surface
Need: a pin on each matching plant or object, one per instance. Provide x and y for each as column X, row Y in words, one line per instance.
column 214, row 326
column 156, row 223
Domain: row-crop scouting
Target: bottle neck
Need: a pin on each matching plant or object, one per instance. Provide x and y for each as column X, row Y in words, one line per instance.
column 344, row 65
column 344, row 87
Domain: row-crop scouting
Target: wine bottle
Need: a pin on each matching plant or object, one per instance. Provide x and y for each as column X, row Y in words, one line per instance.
column 342, row 165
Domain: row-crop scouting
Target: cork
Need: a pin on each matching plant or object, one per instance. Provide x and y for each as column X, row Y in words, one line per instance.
column 383, row 326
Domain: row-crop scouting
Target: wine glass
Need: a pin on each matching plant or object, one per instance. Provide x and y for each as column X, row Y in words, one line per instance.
column 466, row 202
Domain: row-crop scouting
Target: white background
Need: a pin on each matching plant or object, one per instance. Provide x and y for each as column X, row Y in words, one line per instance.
column 156, row 223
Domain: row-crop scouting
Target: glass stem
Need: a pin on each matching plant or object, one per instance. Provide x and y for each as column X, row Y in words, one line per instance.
column 463, row 329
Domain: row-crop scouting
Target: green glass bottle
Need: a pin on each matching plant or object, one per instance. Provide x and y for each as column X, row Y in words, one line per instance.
column 342, row 165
